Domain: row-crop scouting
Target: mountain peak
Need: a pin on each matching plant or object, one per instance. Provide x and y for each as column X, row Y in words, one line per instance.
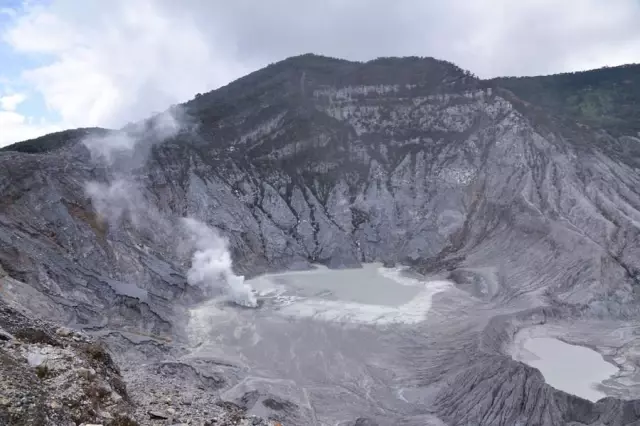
column 300, row 75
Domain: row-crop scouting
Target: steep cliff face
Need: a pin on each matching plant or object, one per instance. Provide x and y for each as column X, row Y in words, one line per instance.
column 315, row 160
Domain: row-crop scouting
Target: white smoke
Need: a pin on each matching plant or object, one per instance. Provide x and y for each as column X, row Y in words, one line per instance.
column 104, row 148
column 122, row 152
column 211, row 264
column 108, row 148
column 121, row 198
column 115, row 200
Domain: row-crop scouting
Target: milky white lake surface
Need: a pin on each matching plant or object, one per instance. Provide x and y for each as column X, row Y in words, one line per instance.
column 371, row 284
column 371, row 294
column 570, row 368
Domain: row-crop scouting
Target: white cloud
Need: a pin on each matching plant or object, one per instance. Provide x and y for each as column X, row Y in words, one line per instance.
column 8, row 11
column 11, row 102
column 118, row 62
column 113, row 62
column 16, row 127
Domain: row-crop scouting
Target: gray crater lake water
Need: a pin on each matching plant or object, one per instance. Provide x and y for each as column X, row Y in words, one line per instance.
column 321, row 338
column 370, row 285
column 574, row 369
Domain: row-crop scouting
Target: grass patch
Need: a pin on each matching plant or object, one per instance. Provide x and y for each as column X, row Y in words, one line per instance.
column 121, row 420
column 43, row 372
column 34, row 335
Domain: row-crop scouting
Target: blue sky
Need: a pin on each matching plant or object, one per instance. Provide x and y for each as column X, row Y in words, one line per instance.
column 12, row 65
column 79, row 63
column 12, row 62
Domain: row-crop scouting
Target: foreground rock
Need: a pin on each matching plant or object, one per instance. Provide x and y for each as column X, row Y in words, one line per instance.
column 56, row 377
column 61, row 377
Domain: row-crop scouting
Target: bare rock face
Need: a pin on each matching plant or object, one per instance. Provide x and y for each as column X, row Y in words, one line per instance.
column 57, row 377
column 314, row 160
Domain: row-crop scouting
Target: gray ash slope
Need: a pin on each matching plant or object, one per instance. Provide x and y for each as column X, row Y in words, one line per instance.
column 322, row 160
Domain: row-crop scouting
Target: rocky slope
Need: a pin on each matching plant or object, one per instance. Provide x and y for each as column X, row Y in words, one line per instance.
column 313, row 159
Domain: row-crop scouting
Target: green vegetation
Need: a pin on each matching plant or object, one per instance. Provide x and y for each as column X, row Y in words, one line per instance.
column 54, row 141
column 298, row 76
column 607, row 98
column 42, row 371
column 123, row 420
column 34, row 335
column 98, row 352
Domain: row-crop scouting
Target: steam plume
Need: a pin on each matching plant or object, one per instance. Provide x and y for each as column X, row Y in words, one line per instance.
column 124, row 151
column 115, row 146
column 211, row 264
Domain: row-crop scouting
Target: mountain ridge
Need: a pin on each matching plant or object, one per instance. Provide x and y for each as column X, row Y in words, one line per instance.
column 536, row 90
column 532, row 217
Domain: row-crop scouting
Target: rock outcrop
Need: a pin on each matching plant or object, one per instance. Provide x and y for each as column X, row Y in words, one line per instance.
column 56, row 376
